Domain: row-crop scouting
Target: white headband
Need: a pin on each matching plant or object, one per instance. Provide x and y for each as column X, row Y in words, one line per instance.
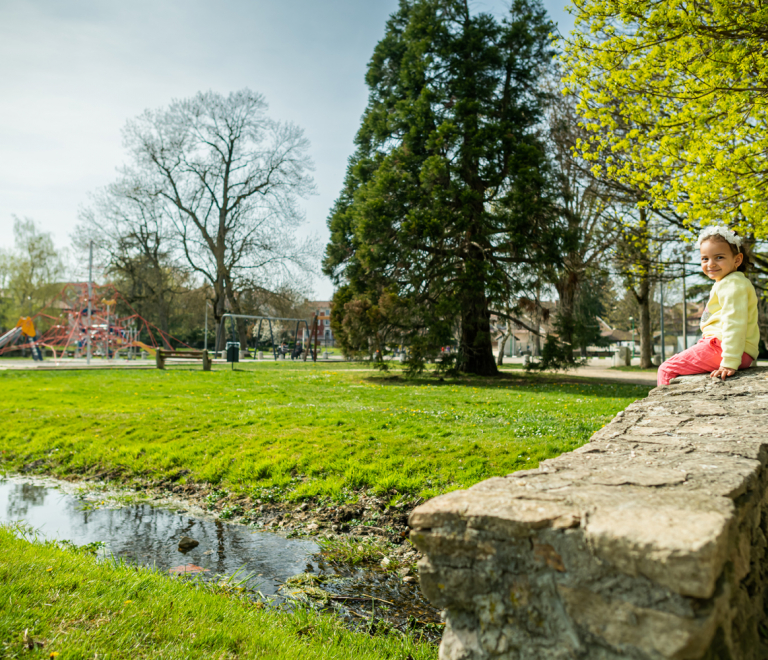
column 719, row 230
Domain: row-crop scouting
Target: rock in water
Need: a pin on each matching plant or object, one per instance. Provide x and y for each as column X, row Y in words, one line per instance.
column 186, row 543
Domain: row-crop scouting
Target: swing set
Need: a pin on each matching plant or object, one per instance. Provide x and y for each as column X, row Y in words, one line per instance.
column 312, row 332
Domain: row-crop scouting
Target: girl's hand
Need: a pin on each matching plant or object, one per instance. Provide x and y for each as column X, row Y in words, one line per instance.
column 723, row 373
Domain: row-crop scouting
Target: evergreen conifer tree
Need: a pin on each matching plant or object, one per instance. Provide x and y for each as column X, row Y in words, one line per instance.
column 445, row 200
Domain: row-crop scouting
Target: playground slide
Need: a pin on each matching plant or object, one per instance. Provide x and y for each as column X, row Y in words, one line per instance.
column 142, row 345
column 10, row 336
column 26, row 327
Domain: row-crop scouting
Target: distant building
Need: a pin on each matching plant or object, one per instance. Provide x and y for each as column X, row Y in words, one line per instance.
column 521, row 340
column 323, row 310
column 618, row 337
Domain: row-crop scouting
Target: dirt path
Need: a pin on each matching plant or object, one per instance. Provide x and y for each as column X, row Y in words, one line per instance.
column 601, row 373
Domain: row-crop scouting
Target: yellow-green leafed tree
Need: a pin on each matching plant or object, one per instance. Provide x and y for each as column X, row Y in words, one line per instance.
column 29, row 274
column 690, row 79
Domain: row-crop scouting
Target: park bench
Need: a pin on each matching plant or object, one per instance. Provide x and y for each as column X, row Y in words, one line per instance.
column 162, row 354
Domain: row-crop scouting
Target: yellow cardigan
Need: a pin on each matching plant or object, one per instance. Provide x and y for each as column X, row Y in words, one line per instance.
column 732, row 318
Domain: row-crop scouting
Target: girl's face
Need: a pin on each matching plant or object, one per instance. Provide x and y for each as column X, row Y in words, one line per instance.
column 717, row 260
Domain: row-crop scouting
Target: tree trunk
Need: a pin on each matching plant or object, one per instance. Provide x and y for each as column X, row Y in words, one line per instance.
column 162, row 314
column 762, row 306
column 536, row 318
column 158, row 285
column 502, row 344
column 476, row 347
column 219, row 309
column 566, row 291
column 162, row 318
column 646, row 339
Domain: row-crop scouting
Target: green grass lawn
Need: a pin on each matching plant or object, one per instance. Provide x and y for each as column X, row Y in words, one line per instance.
column 297, row 430
column 78, row 608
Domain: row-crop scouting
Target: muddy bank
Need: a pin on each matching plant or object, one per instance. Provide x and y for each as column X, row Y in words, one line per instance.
column 368, row 584
column 381, row 529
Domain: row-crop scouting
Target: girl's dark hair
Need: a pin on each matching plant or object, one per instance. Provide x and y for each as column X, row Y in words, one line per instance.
column 735, row 249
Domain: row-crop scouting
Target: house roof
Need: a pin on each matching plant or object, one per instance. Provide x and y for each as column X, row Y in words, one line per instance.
column 618, row 335
column 612, row 334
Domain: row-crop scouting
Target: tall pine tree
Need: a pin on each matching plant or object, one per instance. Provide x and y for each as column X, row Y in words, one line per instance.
column 445, row 199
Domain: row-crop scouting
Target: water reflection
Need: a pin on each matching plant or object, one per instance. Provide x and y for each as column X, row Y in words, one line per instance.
column 30, row 495
column 145, row 535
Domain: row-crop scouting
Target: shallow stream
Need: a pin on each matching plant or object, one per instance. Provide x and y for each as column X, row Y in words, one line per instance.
column 146, row 535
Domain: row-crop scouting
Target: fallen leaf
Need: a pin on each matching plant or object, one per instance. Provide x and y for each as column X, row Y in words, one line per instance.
column 187, row 568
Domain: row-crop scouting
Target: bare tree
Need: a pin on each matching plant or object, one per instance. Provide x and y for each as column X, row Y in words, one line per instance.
column 229, row 179
column 584, row 206
column 637, row 259
column 132, row 233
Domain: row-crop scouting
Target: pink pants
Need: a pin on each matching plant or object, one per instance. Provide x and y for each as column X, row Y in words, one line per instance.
column 702, row 358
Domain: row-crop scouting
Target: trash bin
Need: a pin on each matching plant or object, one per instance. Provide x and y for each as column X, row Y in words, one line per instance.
column 233, row 351
column 622, row 357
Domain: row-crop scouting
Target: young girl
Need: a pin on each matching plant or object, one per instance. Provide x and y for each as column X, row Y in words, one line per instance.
column 729, row 324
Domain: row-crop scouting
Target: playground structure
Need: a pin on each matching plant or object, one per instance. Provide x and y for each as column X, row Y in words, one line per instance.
column 25, row 327
column 84, row 321
column 85, row 330
column 312, row 333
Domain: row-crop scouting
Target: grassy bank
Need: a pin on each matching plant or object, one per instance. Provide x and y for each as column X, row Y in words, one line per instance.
column 80, row 608
column 281, row 431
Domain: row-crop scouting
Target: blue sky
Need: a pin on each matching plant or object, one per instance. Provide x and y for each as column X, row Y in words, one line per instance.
column 74, row 72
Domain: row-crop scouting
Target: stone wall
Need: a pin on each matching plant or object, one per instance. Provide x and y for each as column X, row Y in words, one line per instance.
column 647, row 543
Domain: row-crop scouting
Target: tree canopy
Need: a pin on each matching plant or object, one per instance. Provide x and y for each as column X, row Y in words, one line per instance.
column 28, row 273
column 214, row 184
column 446, row 195
column 676, row 98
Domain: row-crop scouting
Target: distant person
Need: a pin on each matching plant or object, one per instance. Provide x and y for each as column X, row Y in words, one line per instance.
column 297, row 351
column 729, row 324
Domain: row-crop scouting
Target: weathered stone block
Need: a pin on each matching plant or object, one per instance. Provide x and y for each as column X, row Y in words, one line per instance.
column 647, row 543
